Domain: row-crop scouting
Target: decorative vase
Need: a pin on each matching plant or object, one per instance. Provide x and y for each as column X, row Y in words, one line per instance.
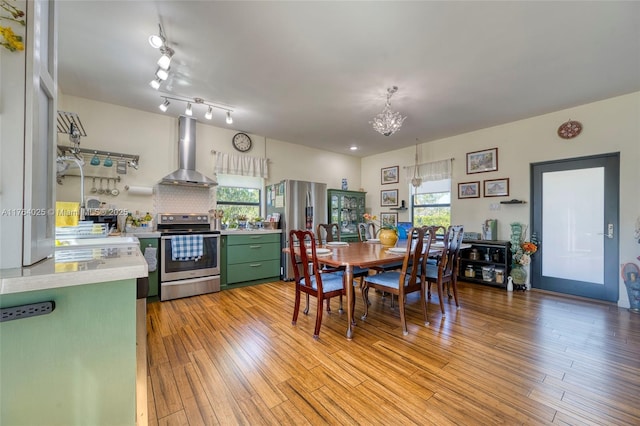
column 633, row 291
column 519, row 275
column 388, row 237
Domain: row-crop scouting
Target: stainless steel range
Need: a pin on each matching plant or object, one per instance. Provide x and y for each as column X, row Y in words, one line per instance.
column 189, row 255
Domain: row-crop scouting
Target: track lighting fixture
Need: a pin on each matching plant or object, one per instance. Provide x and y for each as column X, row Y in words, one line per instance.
column 194, row 102
column 155, row 83
column 165, row 105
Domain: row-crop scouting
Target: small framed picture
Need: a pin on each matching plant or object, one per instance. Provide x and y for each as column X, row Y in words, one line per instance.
column 469, row 189
column 482, row 161
column 496, row 187
column 390, row 175
column 389, row 219
column 389, row 197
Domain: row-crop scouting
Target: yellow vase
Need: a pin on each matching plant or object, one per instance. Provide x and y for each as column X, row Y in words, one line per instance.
column 388, row 237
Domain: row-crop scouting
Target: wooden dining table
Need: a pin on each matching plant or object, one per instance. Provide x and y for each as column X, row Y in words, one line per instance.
column 360, row 254
column 363, row 255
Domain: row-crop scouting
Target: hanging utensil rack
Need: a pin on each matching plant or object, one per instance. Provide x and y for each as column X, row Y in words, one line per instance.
column 114, row 155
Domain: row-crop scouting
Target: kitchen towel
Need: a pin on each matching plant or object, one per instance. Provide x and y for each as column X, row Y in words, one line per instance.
column 150, row 256
column 67, row 213
column 186, row 247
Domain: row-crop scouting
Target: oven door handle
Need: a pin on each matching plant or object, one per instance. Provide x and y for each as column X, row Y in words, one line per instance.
column 168, row 237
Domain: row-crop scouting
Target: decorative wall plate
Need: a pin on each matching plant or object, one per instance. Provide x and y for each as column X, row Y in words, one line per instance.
column 570, row 129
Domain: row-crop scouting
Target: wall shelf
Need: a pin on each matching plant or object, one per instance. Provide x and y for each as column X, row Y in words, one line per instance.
column 400, row 209
column 513, row 202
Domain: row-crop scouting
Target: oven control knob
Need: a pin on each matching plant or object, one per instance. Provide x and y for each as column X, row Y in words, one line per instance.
column 170, row 217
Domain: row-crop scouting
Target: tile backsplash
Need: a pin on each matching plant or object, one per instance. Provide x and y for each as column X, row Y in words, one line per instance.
column 182, row 199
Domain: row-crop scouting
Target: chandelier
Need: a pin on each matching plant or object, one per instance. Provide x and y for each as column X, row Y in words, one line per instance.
column 388, row 122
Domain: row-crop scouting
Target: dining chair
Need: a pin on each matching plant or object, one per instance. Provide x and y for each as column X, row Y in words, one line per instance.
column 445, row 271
column 310, row 278
column 404, row 281
column 366, row 231
column 327, row 232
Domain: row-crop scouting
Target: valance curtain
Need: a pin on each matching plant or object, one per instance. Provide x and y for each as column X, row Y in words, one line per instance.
column 435, row 170
column 241, row 165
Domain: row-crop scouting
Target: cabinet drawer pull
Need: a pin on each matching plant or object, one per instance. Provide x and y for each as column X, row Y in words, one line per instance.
column 255, row 265
column 255, row 247
column 255, row 237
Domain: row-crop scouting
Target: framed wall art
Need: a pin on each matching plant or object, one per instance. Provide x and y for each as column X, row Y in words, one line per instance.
column 390, row 175
column 496, row 187
column 469, row 189
column 389, row 219
column 482, row 161
column 389, row 197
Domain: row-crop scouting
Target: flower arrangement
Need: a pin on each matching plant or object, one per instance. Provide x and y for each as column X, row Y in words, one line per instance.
column 10, row 40
column 522, row 250
column 374, row 219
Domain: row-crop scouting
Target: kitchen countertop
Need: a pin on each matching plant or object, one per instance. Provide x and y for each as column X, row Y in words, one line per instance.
column 250, row 231
column 95, row 265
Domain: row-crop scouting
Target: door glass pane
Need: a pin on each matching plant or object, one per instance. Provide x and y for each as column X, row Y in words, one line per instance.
column 573, row 218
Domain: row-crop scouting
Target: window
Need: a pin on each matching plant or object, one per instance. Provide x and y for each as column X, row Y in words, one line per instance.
column 238, row 196
column 431, row 203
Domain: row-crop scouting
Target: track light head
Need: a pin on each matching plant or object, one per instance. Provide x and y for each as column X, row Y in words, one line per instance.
column 189, row 110
column 157, row 40
column 209, row 114
column 165, row 59
column 163, row 107
column 229, row 119
column 155, row 83
column 162, row 74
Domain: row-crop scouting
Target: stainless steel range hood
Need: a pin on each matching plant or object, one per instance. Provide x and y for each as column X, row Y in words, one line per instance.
column 186, row 175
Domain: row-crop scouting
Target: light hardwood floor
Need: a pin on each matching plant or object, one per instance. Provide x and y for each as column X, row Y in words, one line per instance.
column 503, row 358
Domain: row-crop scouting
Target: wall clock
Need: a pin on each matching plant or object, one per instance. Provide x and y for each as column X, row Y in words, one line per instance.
column 570, row 129
column 242, row 142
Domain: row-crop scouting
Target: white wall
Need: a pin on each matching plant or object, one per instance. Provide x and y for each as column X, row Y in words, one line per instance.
column 155, row 138
column 612, row 125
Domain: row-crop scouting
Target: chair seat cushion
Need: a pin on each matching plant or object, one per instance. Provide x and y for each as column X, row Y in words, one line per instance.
column 330, row 282
column 389, row 279
column 359, row 272
column 432, row 271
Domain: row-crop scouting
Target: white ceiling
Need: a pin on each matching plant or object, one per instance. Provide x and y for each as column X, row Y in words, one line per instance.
column 315, row 73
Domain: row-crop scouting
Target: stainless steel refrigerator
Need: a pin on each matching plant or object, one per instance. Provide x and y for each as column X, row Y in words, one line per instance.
column 301, row 205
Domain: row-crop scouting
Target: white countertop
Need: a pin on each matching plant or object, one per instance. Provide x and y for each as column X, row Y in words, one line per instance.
column 250, row 231
column 98, row 264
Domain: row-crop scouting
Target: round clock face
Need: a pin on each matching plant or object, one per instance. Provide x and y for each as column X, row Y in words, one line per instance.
column 242, row 142
column 570, row 129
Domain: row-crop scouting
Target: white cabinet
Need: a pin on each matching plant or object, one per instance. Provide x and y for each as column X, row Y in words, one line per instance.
column 28, row 133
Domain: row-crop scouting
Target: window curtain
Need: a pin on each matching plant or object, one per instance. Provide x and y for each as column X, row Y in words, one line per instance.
column 435, row 170
column 241, row 165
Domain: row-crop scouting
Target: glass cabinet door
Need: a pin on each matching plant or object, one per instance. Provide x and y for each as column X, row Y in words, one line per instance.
column 346, row 209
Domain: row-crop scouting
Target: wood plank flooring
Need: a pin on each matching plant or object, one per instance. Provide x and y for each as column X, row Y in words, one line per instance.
column 503, row 358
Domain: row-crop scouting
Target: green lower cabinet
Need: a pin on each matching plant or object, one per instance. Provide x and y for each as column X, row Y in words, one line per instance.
column 249, row 259
column 74, row 366
column 154, row 276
